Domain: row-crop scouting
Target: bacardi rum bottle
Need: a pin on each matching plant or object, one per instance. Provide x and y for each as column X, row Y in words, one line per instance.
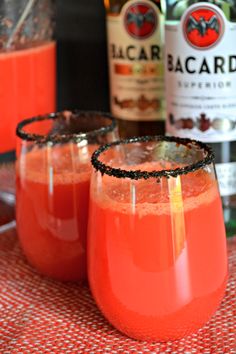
column 200, row 63
column 135, row 30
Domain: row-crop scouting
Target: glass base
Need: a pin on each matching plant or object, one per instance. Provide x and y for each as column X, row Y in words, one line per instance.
column 7, row 191
column 7, row 211
column 7, row 157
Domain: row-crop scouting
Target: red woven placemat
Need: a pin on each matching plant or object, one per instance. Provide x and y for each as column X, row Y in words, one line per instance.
column 39, row 315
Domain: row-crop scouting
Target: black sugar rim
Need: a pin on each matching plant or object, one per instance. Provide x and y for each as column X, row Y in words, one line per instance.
column 63, row 138
column 138, row 174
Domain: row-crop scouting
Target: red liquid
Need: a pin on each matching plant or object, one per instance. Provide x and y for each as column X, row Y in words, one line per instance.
column 28, row 79
column 157, row 274
column 52, row 217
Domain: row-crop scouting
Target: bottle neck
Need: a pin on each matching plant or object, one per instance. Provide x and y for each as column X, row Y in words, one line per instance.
column 175, row 9
column 114, row 6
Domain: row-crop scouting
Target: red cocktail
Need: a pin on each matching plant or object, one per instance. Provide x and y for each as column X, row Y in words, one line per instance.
column 28, row 80
column 53, row 176
column 27, row 64
column 157, row 249
column 27, row 76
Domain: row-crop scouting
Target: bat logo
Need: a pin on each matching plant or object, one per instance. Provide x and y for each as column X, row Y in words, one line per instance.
column 140, row 20
column 203, row 27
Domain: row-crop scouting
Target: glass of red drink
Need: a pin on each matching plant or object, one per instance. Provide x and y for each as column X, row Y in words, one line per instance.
column 157, row 262
column 52, row 188
column 28, row 81
column 27, row 64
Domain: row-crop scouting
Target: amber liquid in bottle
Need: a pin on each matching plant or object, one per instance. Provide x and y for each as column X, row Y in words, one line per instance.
column 135, row 50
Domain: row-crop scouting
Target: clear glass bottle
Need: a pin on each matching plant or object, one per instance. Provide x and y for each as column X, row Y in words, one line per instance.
column 135, row 50
column 201, row 82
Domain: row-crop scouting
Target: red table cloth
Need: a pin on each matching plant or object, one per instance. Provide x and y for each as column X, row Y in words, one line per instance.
column 40, row 315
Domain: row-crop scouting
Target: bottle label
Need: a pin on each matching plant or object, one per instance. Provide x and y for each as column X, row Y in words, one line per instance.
column 201, row 75
column 226, row 175
column 135, row 50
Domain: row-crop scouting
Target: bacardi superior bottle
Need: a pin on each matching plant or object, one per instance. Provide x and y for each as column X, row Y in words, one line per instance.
column 200, row 61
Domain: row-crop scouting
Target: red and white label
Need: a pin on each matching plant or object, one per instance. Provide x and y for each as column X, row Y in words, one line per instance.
column 201, row 75
column 136, row 61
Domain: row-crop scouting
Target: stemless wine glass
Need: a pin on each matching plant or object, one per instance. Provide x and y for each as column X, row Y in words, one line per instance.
column 157, row 261
column 52, row 188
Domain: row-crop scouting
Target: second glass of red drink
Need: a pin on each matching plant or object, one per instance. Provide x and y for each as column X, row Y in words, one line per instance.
column 52, row 188
column 157, row 261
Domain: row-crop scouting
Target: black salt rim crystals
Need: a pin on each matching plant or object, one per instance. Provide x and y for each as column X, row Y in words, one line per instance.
column 138, row 174
column 63, row 138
